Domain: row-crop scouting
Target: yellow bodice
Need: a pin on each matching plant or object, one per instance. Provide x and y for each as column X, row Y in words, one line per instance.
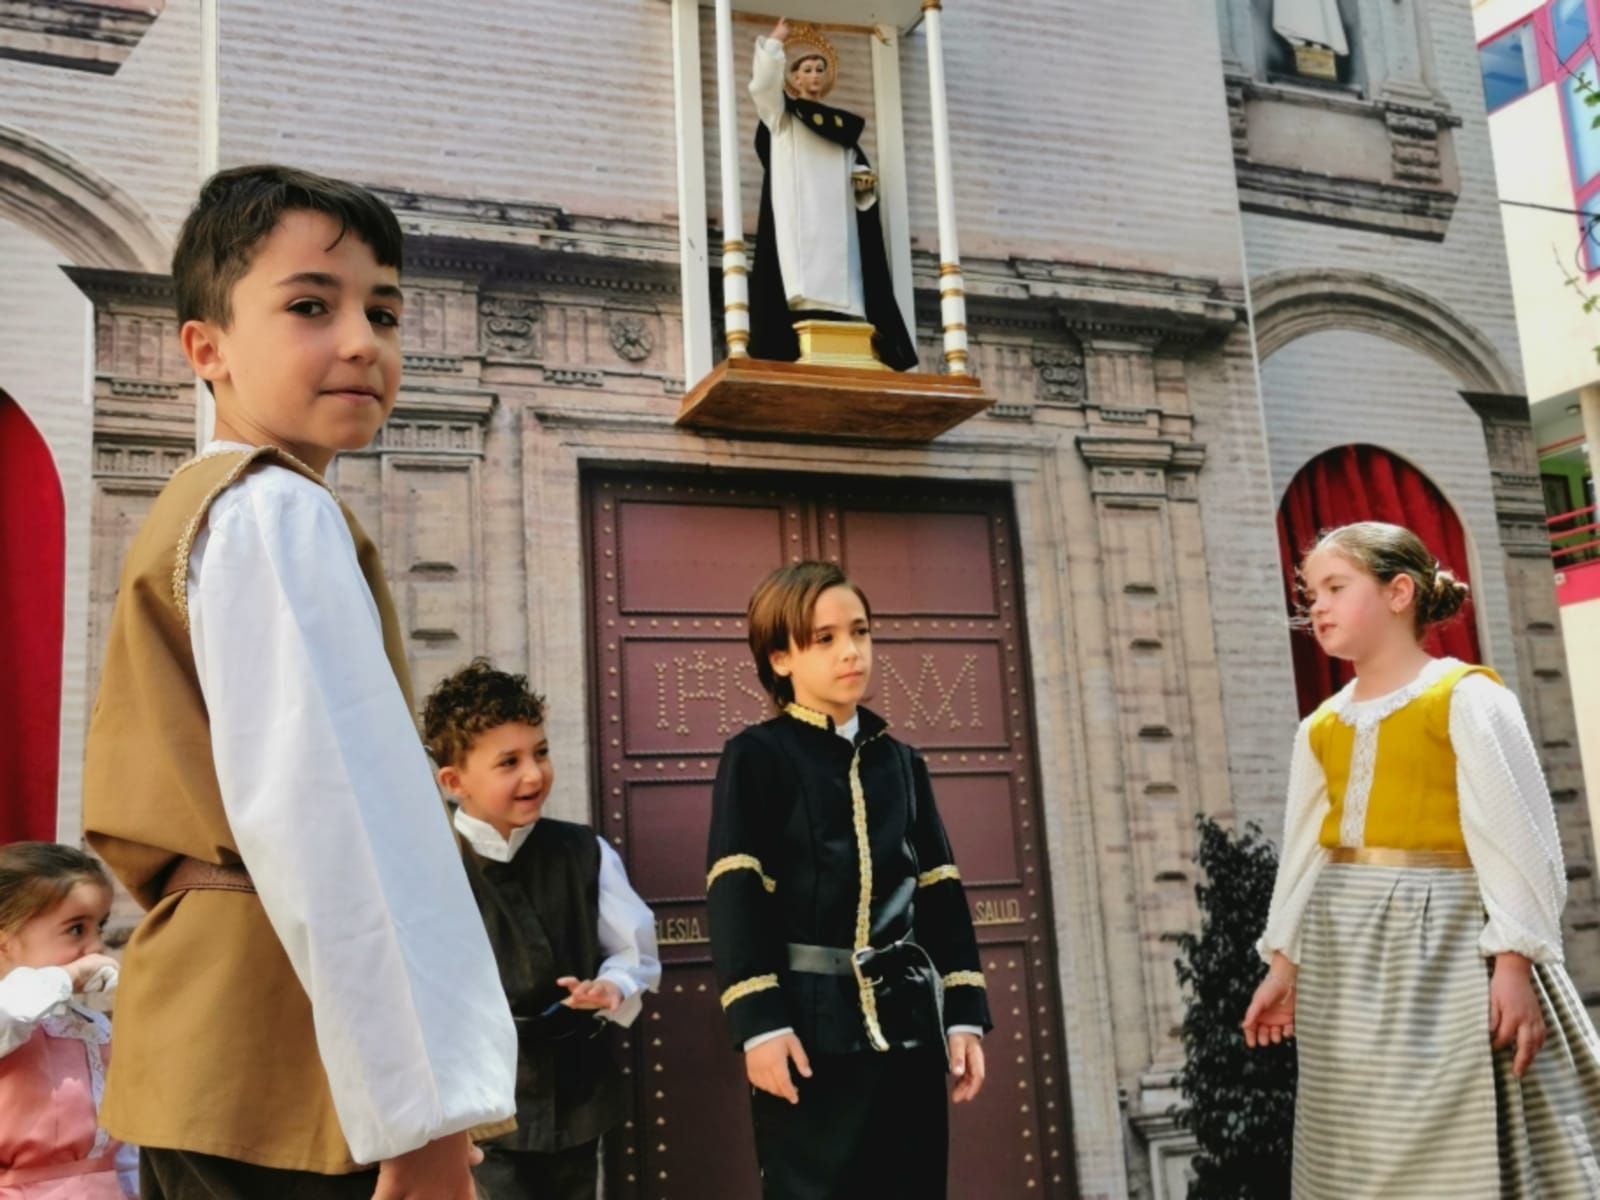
column 1397, row 767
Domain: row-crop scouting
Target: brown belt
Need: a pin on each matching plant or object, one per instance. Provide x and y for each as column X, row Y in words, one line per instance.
column 1380, row 856
column 197, row 875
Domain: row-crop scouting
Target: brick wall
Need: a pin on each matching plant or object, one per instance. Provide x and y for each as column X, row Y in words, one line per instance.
column 138, row 129
column 555, row 103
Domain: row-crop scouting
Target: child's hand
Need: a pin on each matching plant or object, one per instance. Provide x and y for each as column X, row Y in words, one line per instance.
column 440, row 1170
column 84, row 969
column 591, row 994
column 767, row 1066
column 1270, row 1018
column 966, row 1064
column 780, row 31
column 1514, row 1014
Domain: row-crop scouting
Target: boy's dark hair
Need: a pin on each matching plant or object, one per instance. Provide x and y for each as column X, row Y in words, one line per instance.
column 475, row 699
column 239, row 207
column 36, row 876
column 781, row 611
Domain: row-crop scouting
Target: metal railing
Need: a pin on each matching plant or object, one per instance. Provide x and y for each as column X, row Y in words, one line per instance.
column 1579, row 523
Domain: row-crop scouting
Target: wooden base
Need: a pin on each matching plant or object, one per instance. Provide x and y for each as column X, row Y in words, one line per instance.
column 754, row 397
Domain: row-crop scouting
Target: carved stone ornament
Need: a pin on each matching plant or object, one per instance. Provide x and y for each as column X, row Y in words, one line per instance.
column 1060, row 375
column 508, row 325
column 631, row 338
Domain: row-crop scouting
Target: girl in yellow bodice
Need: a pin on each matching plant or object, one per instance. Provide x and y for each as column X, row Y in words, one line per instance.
column 1414, row 935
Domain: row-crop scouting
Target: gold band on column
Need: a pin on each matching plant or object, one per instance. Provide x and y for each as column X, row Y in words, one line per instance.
column 949, row 269
column 736, row 306
column 954, row 291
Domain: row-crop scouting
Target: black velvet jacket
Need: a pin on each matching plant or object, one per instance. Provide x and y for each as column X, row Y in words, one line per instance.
column 792, row 805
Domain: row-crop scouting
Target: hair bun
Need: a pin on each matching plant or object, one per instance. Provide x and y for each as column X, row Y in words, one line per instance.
column 1444, row 598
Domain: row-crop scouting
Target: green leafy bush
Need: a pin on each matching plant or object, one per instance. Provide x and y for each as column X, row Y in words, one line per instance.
column 1238, row 1102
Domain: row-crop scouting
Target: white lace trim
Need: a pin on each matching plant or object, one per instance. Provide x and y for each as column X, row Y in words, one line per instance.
column 94, row 1031
column 1365, row 717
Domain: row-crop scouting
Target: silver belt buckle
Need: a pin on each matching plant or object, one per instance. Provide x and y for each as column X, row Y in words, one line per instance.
column 858, row 959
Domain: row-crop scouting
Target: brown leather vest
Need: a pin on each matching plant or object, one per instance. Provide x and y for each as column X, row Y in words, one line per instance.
column 215, row 1050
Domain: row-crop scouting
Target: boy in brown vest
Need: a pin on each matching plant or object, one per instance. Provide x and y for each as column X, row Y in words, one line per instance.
column 575, row 944
column 311, row 993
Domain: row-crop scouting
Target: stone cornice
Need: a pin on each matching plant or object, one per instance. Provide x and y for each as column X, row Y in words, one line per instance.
column 501, row 244
column 436, row 222
column 586, row 267
column 81, row 35
column 1498, row 407
column 108, row 286
column 1141, row 452
column 1093, row 299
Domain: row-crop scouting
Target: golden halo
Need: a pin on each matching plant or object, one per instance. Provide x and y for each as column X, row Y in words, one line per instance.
column 805, row 40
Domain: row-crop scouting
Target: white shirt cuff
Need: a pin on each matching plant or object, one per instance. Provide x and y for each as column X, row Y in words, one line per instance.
column 770, row 1036
column 975, row 1030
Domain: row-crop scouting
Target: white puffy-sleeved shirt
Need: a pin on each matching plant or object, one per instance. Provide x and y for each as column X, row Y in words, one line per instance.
column 332, row 803
column 627, row 927
column 1507, row 818
column 814, row 201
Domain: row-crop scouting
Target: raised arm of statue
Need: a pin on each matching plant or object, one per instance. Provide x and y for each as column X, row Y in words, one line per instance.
column 766, row 77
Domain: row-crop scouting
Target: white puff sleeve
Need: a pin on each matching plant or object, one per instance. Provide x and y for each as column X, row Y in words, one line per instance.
column 1508, row 821
column 1302, row 857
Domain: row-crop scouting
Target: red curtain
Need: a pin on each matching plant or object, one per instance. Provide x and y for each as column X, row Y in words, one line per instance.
column 1366, row 483
column 32, row 592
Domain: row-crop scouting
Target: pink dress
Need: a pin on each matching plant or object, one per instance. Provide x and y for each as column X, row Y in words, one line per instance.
column 51, row 1080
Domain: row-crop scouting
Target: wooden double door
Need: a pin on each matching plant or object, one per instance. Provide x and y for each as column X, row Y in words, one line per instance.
column 672, row 561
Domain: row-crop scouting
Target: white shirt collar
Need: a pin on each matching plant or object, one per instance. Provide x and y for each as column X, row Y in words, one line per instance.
column 848, row 730
column 486, row 840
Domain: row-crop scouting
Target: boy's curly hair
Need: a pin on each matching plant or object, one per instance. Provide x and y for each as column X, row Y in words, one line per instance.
column 475, row 699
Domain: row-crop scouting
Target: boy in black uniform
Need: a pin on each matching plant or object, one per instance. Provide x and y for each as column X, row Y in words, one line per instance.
column 839, row 927
column 575, row 944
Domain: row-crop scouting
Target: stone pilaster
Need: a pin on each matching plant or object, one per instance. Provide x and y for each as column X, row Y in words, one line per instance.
column 1541, row 669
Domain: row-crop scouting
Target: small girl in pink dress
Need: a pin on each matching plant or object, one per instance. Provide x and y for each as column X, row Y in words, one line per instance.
column 53, row 1050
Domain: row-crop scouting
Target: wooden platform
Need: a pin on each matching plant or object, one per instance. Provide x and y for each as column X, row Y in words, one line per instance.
column 754, row 397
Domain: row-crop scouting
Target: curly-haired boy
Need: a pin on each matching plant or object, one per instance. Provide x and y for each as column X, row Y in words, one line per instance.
column 576, row 945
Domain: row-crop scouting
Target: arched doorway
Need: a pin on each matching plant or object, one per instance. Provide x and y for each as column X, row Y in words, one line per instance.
column 1367, row 483
column 32, row 593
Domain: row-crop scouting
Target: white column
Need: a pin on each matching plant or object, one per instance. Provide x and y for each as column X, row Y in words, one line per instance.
column 952, row 289
column 208, row 160
column 735, row 260
column 696, row 279
column 1589, row 406
column 891, row 167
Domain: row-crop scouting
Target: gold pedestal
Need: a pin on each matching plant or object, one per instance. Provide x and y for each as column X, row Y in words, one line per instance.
column 1316, row 62
column 838, row 344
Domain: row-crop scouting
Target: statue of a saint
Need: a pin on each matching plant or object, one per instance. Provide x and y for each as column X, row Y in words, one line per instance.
column 1310, row 23
column 820, row 252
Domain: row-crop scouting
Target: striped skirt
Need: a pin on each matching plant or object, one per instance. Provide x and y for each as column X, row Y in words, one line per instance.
column 1401, row 1096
